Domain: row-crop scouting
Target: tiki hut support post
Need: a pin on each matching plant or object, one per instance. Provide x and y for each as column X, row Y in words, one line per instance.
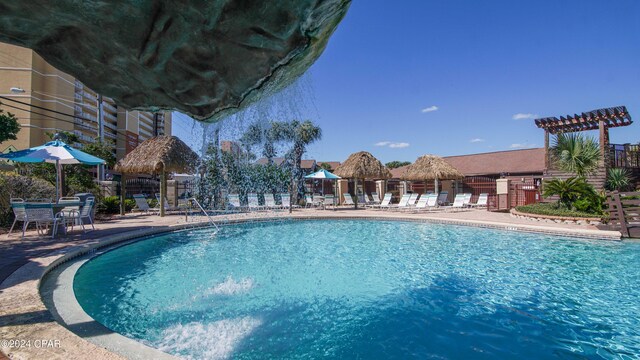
column 123, row 193
column 435, row 186
column 163, row 190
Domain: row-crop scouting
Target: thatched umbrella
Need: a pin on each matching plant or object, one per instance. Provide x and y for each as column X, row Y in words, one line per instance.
column 158, row 155
column 362, row 165
column 431, row 167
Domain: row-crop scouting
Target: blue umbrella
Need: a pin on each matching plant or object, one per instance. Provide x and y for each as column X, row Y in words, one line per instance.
column 54, row 152
column 323, row 174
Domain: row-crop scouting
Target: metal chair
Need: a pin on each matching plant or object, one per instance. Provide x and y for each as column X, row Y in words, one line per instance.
column 42, row 215
column 18, row 212
column 69, row 211
column 85, row 212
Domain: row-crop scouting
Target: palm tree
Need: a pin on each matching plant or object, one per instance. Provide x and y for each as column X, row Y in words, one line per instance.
column 576, row 153
column 257, row 134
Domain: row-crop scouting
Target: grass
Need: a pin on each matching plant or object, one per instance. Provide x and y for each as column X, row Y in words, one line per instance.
column 553, row 209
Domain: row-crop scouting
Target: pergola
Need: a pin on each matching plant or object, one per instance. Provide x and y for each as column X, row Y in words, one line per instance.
column 600, row 119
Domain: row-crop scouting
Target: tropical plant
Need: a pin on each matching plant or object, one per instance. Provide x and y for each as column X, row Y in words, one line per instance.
column 396, row 164
column 571, row 191
column 618, row 179
column 326, row 166
column 576, row 153
column 9, row 126
column 301, row 134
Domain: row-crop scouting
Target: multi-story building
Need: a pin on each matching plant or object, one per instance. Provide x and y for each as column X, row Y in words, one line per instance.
column 47, row 100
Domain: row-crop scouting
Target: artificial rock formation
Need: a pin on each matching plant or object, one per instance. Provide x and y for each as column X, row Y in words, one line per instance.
column 204, row 58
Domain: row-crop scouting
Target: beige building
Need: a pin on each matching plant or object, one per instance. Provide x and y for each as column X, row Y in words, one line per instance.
column 47, row 100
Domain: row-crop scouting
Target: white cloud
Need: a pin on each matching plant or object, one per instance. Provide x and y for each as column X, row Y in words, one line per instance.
column 522, row 116
column 393, row 145
column 522, row 146
column 429, row 109
column 476, row 140
column 399, row 145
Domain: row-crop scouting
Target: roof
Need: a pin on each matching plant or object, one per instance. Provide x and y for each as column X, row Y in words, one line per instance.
column 304, row 164
column 612, row 117
column 362, row 165
column 525, row 161
column 158, row 153
column 333, row 164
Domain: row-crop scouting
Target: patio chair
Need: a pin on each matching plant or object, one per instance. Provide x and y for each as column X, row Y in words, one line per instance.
column 234, row 202
column 42, row 215
column 286, row 201
column 142, row 204
column 69, row 211
column 443, row 198
column 18, row 212
column 167, row 207
column 427, row 202
column 404, row 200
column 384, row 203
column 308, row 200
column 481, row 202
column 85, row 213
column 253, row 202
column 329, row 200
column 348, row 200
column 458, row 203
column 270, row 202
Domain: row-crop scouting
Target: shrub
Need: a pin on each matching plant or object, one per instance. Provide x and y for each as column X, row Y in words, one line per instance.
column 618, row 179
column 553, row 209
column 111, row 205
column 13, row 185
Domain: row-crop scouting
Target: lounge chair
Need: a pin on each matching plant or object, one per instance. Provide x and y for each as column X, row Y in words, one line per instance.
column 413, row 199
column 286, row 201
column 404, row 200
column 234, row 203
column 348, row 200
column 142, row 204
column 375, row 198
column 481, row 202
column 253, row 202
column 270, row 202
column 458, row 203
column 427, row 202
column 329, row 200
column 443, row 198
column 384, row 203
column 467, row 199
column 167, row 207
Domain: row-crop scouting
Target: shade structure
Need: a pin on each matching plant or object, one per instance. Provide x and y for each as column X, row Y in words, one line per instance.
column 431, row 167
column 159, row 155
column 55, row 152
column 362, row 165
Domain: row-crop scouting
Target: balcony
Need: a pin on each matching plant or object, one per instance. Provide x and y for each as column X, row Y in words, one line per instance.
column 89, row 96
column 110, row 117
column 110, row 107
column 110, row 135
column 110, row 125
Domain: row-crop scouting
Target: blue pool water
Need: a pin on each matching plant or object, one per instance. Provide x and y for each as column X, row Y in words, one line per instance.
column 369, row 289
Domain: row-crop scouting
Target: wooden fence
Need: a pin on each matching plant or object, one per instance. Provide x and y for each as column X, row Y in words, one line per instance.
column 624, row 212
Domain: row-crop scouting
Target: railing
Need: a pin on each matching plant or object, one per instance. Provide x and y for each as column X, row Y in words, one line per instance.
column 623, row 210
column 199, row 207
column 624, row 155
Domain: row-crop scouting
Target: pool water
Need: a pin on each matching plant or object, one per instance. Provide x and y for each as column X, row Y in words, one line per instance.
column 369, row 289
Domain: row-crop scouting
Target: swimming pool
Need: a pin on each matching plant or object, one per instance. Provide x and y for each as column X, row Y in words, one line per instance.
column 369, row 289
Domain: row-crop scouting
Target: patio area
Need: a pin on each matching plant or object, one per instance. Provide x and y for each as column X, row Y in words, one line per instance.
column 24, row 316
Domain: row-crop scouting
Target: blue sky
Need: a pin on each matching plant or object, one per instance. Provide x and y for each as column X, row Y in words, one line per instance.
column 403, row 79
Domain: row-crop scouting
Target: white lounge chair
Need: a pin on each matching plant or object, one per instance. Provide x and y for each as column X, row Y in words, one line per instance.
column 167, row 207
column 348, row 200
column 253, row 202
column 384, row 203
column 481, row 202
column 467, row 199
column 404, row 200
column 286, row 201
column 270, row 202
column 443, row 198
column 234, row 203
column 458, row 204
column 427, row 202
column 142, row 204
column 375, row 198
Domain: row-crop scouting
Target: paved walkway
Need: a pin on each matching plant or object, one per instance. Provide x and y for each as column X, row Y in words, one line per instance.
column 24, row 261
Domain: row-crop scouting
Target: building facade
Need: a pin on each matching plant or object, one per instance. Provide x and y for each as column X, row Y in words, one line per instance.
column 46, row 100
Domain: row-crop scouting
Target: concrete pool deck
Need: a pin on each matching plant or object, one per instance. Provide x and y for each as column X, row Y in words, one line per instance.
column 28, row 330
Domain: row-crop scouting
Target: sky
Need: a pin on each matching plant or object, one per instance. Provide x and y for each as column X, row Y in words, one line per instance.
column 414, row 77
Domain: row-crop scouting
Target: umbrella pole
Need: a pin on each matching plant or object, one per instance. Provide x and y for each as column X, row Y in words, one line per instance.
column 163, row 191
column 58, row 180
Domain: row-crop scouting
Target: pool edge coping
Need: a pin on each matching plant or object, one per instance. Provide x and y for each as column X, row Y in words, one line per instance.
column 65, row 255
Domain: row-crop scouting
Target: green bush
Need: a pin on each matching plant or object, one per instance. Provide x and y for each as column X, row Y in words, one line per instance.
column 553, row 209
column 111, row 205
column 13, row 185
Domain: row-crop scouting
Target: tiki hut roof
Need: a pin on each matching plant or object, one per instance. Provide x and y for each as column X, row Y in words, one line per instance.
column 150, row 157
column 362, row 165
column 431, row 167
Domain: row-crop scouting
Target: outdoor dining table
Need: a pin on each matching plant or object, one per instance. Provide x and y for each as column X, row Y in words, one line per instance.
column 57, row 207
